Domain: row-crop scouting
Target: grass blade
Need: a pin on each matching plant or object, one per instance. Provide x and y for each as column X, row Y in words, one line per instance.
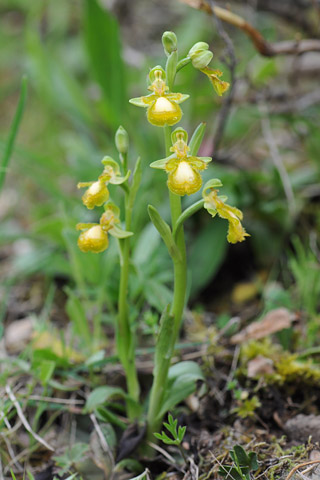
column 13, row 131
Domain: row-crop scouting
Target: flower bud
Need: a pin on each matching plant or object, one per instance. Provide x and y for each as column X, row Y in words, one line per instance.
column 122, row 140
column 169, row 42
column 200, row 55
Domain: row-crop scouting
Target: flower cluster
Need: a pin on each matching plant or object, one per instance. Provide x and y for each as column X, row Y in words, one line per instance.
column 182, row 168
column 215, row 204
column 94, row 236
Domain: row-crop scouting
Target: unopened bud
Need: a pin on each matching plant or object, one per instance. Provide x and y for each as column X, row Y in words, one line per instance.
column 122, row 140
column 200, row 55
column 169, row 42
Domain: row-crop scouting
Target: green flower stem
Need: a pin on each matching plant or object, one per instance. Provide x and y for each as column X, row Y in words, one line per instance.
column 124, row 336
column 179, row 294
column 186, row 214
column 185, row 61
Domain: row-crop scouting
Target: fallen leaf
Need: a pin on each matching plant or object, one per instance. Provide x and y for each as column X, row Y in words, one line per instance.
column 260, row 365
column 274, row 321
column 18, row 334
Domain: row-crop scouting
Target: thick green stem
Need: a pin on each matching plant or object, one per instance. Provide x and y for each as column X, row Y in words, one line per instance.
column 179, row 293
column 125, row 340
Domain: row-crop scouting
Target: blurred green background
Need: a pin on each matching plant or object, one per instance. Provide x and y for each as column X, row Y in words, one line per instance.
column 83, row 61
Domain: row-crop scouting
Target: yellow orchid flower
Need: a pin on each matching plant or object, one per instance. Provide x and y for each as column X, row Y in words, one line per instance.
column 215, row 204
column 97, row 193
column 163, row 106
column 94, row 237
column 183, row 169
column 220, row 86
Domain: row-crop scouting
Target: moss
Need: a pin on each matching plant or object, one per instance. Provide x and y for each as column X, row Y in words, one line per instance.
column 287, row 367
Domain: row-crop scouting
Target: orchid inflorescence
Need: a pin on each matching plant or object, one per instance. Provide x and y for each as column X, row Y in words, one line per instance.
column 183, row 167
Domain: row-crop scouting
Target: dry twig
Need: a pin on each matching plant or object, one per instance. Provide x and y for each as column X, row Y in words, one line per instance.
column 292, row 472
column 288, row 47
column 231, row 63
column 24, row 420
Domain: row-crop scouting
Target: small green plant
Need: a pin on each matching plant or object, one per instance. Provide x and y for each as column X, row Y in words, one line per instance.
column 177, row 433
column 183, row 167
column 243, row 464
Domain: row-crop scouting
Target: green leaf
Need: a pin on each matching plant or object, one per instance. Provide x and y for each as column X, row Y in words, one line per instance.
column 164, row 349
column 165, row 232
column 157, row 294
column 253, row 461
column 148, row 243
column 242, row 457
column 105, row 415
column 129, row 464
column 197, row 138
column 182, row 379
column 181, row 432
column 13, row 131
column 230, row 472
column 136, row 180
column 117, row 232
column 100, row 395
column 142, row 476
column 212, row 240
column 138, row 102
column 213, row 183
column 45, row 371
column 160, row 164
column 171, row 68
column 96, row 357
column 77, row 315
column 71, row 456
column 103, row 43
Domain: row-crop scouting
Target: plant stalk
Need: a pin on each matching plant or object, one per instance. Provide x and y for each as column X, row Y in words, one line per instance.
column 179, row 293
column 124, row 334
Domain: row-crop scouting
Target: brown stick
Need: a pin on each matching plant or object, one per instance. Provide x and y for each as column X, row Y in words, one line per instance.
column 313, row 462
column 288, row 47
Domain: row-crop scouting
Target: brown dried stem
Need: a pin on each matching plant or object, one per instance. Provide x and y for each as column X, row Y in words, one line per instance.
column 288, row 47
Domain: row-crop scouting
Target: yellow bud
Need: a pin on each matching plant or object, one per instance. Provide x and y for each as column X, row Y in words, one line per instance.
column 96, row 195
column 164, row 112
column 184, row 180
column 93, row 240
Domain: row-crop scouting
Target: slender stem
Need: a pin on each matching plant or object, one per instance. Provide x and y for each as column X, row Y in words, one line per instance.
column 186, row 214
column 124, row 334
column 179, row 293
column 185, row 61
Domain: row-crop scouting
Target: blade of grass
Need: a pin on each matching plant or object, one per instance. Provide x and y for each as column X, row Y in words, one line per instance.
column 13, row 131
column 102, row 38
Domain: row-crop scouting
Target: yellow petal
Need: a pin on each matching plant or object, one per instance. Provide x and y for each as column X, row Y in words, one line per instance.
column 219, row 85
column 164, row 112
column 93, row 240
column 96, row 195
column 236, row 232
column 184, row 180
